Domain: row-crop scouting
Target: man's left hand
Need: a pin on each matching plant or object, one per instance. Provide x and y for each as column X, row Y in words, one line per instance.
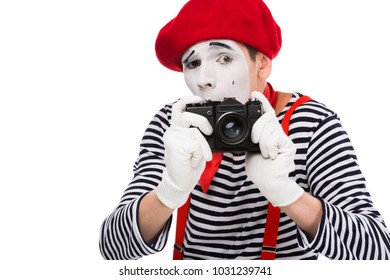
column 269, row 170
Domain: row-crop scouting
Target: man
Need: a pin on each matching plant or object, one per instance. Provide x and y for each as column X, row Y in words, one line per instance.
column 225, row 49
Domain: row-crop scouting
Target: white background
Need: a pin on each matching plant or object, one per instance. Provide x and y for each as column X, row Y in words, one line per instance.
column 79, row 82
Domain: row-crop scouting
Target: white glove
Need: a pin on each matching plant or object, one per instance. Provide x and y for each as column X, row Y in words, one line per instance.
column 186, row 153
column 269, row 170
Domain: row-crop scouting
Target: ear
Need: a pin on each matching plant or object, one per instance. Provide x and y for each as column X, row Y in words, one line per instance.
column 264, row 66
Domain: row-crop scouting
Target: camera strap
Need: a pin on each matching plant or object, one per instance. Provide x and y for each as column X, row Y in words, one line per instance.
column 273, row 214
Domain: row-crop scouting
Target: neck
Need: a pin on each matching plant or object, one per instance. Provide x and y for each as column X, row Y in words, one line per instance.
column 278, row 100
column 283, row 99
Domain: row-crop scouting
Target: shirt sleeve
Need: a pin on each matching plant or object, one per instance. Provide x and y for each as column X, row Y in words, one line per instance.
column 120, row 237
column 351, row 227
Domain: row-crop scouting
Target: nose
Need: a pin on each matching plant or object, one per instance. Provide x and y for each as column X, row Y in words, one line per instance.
column 205, row 85
column 206, row 78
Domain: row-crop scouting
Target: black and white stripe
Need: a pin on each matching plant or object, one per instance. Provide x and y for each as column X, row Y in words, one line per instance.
column 228, row 221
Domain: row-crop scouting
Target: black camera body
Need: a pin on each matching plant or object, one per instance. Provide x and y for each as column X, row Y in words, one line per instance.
column 232, row 123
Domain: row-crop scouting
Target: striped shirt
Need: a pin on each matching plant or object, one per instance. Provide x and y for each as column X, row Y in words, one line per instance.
column 228, row 222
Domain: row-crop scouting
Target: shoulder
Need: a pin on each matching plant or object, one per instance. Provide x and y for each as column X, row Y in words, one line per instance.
column 163, row 116
column 310, row 110
column 309, row 119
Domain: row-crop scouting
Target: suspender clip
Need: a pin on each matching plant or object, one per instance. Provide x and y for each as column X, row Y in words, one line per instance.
column 179, row 248
column 269, row 249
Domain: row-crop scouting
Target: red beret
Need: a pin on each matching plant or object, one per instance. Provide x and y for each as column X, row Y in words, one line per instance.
column 245, row 21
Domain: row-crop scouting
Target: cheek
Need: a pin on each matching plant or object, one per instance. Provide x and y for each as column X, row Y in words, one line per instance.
column 189, row 79
column 252, row 76
column 239, row 82
column 239, row 73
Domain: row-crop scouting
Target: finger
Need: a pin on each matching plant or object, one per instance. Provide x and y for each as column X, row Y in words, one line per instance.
column 204, row 145
column 264, row 101
column 188, row 119
column 271, row 146
column 271, row 140
column 199, row 149
column 287, row 146
column 195, row 153
column 274, row 142
column 263, row 141
column 179, row 107
column 259, row 125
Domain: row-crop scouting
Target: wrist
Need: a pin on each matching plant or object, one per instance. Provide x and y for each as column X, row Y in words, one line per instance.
column 169, row 194
column 283, row 194
column 306, row 212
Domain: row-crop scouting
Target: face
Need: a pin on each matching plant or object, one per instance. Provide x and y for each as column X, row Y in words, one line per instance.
column 216, row 69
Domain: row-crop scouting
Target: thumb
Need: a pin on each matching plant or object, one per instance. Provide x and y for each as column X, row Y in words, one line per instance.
column 264, row 101
column 179, row 107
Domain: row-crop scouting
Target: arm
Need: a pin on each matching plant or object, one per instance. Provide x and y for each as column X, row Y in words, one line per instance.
column 120, row 234
column 306, row 212
column 335, row 216
column 164, row 179
column 186, row 152
column 153, row 216
column 351, row 227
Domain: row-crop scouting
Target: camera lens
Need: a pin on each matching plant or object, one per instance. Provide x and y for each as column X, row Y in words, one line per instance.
column 232, row 128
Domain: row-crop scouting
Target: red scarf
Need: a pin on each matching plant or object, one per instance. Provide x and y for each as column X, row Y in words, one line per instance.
column 271, row 95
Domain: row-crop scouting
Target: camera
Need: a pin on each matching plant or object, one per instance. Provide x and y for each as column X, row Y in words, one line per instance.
column 232, row 123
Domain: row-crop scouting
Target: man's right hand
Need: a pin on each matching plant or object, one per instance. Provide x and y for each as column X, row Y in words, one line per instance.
column 186, row 153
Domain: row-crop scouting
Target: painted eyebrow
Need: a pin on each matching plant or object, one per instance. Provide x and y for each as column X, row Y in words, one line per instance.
column 211, row 44
column 219, row 44
column 185, row 61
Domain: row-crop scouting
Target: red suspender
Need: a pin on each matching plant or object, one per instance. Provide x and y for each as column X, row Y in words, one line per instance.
column 270, row 233
column 287, row 116
column 182, row 213
column 273, row 215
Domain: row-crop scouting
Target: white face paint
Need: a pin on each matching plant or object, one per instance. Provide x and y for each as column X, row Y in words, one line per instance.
column 216, row 69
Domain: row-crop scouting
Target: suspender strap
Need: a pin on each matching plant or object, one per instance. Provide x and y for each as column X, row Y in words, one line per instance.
column 182, row 214
column 287, row 116
column 273, row 215
column 270, row 233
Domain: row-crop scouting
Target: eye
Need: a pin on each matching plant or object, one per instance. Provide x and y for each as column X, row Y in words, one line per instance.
column 224, row 59
column 193, row 64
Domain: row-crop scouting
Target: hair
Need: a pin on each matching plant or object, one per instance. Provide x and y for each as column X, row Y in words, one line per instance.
column 252, row 52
